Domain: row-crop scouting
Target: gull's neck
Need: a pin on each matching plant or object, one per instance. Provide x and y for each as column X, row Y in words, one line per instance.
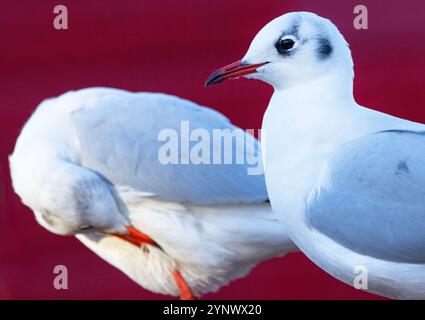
column 328, row 93
column 302, row 124
column 315, row 108
column 311, row 119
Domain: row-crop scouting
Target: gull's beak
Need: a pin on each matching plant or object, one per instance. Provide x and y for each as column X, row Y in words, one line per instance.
column 136, row 237
column 233, row 71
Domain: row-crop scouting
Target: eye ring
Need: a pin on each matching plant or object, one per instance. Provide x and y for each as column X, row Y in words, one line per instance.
column 286, row 44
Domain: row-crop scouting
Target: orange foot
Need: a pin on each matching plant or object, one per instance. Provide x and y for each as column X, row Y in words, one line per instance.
column 185, row 291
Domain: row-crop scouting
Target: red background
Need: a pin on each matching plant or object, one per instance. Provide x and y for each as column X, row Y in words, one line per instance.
column 172, row 46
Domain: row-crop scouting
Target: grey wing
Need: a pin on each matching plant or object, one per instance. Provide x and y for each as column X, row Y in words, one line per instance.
column 120, row 138
column 375, row 202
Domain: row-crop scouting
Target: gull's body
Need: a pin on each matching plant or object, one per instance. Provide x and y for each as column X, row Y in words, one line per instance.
column 353, row 196
column 354, row 205
column 87, row 164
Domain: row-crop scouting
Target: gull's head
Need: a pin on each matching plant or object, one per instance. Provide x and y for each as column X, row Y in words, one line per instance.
column 290, row 50
column 77, row 206
column 65, row 198
column 59, row 224
column 72, row 218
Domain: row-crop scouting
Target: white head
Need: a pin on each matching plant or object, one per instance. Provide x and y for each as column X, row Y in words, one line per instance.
column 293, row 49
column 66, row 199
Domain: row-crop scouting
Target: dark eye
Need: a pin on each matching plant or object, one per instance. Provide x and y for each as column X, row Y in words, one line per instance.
column 285, row 45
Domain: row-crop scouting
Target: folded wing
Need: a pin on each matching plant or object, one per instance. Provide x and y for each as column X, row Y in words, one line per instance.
column 375, row 200
column 118, row 133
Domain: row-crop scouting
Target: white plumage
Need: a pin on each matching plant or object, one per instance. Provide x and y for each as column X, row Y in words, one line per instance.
column 87, row 164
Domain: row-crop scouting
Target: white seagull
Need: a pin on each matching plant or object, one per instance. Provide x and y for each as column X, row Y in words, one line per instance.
column 87, row 164
column 349, row 181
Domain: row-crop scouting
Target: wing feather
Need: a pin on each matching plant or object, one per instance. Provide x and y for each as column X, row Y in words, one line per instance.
column 118, row 136
column 375, row 203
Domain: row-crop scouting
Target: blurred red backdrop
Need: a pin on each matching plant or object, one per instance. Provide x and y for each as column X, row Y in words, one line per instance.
column 172, row 46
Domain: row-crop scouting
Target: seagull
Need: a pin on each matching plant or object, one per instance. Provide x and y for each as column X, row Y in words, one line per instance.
column 348, row 181
column 87, row 164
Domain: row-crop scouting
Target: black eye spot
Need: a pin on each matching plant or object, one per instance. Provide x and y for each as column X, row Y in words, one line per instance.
column 284, row 46
column 324, row 48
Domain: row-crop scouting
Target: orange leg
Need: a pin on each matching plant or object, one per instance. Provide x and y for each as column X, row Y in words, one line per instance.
column 185, row 291
column 138, row 238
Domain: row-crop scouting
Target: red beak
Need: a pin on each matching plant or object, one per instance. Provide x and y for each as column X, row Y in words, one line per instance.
column 136, row 237
column 232, row 71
